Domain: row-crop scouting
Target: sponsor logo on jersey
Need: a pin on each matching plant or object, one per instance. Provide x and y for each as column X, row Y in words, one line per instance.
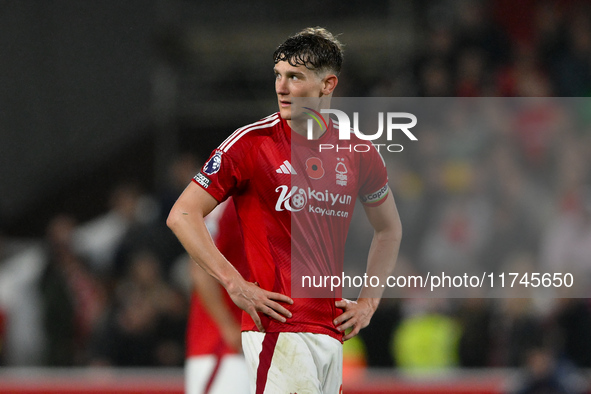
column 202, row 180
column 286, row 168
column 293, row 200
column 296, row 198
column 376, row 197
column 213, row 164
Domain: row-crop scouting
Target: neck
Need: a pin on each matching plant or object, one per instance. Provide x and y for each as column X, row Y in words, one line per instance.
column 301, row 127
column 302, row 119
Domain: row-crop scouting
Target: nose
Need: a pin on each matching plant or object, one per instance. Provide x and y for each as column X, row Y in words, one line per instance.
column 281, row 86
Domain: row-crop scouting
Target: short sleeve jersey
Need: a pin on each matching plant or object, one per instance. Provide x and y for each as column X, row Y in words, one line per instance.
column 294, row 203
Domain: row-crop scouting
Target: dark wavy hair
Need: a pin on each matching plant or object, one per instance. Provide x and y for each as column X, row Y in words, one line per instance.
column 315, row 48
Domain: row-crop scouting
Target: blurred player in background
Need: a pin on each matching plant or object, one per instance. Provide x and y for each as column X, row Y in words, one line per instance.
column 292, row 346
column 215, row 364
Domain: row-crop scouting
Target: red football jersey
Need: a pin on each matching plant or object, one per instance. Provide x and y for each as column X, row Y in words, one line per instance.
column 203, row 335
column 294, row 204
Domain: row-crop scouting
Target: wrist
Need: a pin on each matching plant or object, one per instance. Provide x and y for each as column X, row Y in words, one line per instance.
column 231, row 281
column 371, row 302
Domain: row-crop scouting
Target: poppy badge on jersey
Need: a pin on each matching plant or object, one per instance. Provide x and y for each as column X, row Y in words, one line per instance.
column 314, row 168
column 213, row 164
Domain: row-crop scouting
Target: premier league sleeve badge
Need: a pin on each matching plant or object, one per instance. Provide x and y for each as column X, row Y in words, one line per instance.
column 213, row 164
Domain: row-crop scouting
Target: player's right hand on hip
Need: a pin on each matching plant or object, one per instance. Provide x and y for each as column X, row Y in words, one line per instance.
column 252, row 299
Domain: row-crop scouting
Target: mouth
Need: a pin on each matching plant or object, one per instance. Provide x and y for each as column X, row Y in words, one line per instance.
column 284, row 103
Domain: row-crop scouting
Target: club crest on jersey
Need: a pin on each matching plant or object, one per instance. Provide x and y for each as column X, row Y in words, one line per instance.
column 341, row 172
column 213, row 164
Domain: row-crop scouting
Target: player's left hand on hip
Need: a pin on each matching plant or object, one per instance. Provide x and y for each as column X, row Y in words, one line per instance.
column 356, row 315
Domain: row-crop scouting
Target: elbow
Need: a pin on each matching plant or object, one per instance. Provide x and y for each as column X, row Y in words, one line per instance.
column 398, row 233
column 390, row 235
column 173, row 219
column 394, row 232
column 398, row 230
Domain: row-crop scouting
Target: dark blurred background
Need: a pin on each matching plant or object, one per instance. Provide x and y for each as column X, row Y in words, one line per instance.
column 108, row 109
column 99, row 92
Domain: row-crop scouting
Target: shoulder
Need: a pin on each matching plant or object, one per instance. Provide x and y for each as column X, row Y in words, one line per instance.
column 236, row 156
column 250, row 135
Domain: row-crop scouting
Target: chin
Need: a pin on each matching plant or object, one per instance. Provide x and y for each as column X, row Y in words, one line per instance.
column 285, row 113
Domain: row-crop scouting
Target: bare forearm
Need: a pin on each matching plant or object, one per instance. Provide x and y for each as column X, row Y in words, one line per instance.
column 190, row 229
column 385, row 245
column 211, row 295
column 186, row 220
column 381, row 261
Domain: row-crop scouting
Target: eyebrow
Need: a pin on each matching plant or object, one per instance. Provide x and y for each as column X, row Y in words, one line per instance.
column 290, row 73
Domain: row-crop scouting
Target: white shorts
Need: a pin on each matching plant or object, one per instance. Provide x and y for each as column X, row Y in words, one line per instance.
column 214, row 375
column 293, row 362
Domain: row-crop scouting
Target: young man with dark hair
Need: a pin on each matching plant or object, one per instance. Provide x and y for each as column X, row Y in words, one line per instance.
column 292, row 345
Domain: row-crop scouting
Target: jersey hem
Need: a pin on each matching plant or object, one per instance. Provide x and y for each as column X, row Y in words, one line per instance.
column 336, row 335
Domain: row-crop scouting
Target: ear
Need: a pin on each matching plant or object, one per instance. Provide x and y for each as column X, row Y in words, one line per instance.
column 329, row 83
